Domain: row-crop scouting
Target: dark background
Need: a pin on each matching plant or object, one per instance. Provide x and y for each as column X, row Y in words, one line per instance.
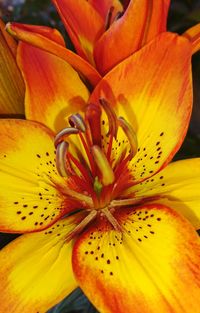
column 182, row 15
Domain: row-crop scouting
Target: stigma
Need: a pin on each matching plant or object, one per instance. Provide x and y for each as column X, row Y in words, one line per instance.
column 92, row 155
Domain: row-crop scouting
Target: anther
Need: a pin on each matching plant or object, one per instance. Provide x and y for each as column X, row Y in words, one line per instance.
column 61, row 152
column 131, row 135
column 107, row 174
column 112, row 118
column 77, row 121
column 64, row 133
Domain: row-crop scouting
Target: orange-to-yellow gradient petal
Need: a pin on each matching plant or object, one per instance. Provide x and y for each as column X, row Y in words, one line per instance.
column 36, row 271
column 104, row 6
column 53, row 88
column 177, row 186
column 29, row 199
column 142, row 21
column 153, row 266
column 83, row 23
column 11, row 82
column 48, row 41
column 152, row 90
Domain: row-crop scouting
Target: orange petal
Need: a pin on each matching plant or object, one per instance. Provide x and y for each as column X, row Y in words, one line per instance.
column 150, row 267
column 11, row 82
column 193, row 34
column 29, row 198
column 44, row 41
column 9, row 39
column 177, row 186
column 152, row 90
column 104, row 6
column 142, row 21
column 53, row 88
column 36, row 271
column 83, row 23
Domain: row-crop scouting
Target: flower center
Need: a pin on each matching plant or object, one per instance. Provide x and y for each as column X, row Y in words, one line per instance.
column 92, row 154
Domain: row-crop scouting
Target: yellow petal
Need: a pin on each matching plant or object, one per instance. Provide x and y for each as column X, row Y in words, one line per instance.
column 177, row 186
column 11, row 82
column 35, row 270
column 152, row 90
column 153, row 266
column 29, row 199
column 53, row 88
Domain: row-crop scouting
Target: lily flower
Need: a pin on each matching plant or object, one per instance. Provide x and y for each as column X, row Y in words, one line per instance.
column 89, row 185
column 11, row 82
column 98, row 28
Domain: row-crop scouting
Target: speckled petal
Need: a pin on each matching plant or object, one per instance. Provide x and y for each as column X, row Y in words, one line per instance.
column 29, row 197
column 177, row 186
column 152, row 90
column 35, row 270
column 153, row 266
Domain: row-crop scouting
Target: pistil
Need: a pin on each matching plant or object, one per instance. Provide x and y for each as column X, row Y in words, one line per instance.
column 107, row 174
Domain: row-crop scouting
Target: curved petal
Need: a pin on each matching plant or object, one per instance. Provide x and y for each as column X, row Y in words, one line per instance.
column 177, row 186
column 29, row 199
column 11, row 82
column 35, row 270
column 104, row 6
column 83, row 24
column 193, row 34
column 142, row 21
column 43, row 41
column 9, row 39
column 153, row 264
column 53, row 88
column 152, row 90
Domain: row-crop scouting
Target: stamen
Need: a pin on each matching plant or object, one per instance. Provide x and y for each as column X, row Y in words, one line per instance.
column 77, row 121
column 61, row 164
column 124, row 202
column 64, row 133
column 109, row 17
column 131, row 135
column 85, row 200
column 93, row 117
column 112, row 118
column 79, row 228
column 107, row 173
column 112, row 220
